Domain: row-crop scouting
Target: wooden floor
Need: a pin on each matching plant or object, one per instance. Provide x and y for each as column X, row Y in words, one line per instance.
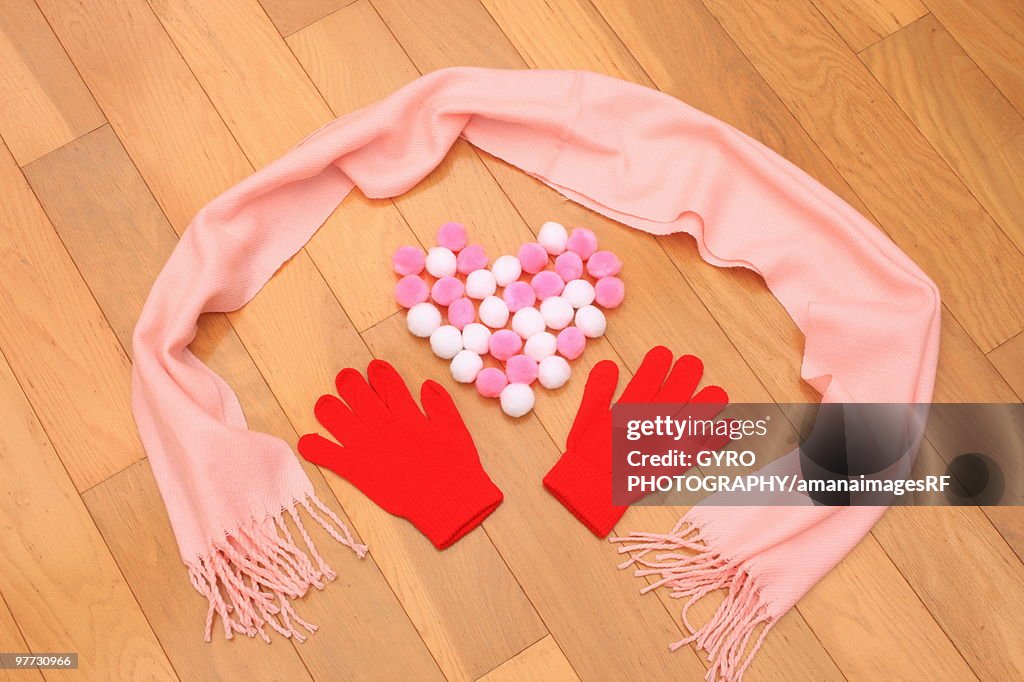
column 121, row 118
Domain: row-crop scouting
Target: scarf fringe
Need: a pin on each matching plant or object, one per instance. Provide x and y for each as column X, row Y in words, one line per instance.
column 692, row 570
column 252, row 575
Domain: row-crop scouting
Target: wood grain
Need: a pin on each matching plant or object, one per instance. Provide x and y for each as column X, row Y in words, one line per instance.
column 542, row 661
column 963, row 115
column 1009, row 360
column 291, row 15
column 11, row 641
column 864, row 22
column 56, row 575
column 43, row 102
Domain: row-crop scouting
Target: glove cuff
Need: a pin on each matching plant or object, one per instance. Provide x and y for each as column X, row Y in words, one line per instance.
column 456, row 506
column 586, row 492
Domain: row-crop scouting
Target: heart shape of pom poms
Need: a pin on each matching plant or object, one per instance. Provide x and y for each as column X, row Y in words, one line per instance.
column 519, row 320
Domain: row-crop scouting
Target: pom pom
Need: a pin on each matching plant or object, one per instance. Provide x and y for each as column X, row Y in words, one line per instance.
column 422, row 319
column 440, row 262
column 494, row 312
column 490, row 382
column 578, row 293
column 540, row 346
column 447, row 290
column 553, row 372
column 480, row 284
column 461, row 313
column 546, row 284
column 533, row 257
column 527, row 322
column 609, row 292
column 521, row 369
column 583, row 242
column 504, row 344
column 519, row 295
column 476, row 337
column 465, row 367
column 571, row 342
column 452, row 236
column 446, row 342
column 552, row 237
column 604, row 264
column 557, row 312
column 506, row 269
column 517, row 400
column 569, row 266
column 408, row 260
column 410, row 290
column 590, row 321
column 471, row 259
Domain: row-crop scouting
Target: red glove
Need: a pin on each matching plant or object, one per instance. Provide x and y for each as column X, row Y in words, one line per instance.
column 582, row 478
column 423, row 468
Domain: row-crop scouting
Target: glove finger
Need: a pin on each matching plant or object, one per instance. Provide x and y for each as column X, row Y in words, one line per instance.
column 439, row 406
column 367, row 405
column 325, row 453
column 647, row 381
column 338, row 418
column 712, row 395
column 682, row 381
column 390, row 386
column 597, row 394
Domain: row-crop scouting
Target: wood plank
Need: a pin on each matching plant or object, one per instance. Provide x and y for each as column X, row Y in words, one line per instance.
column 914, row 195
column 58, row 342
column 964, row 116
column 291, row 15
column 43, row 102
column 542, row 661
column 864, row 22
column 79, row 179
column 11, row 641
column 1009, row 360
column 56, row 574
column 992, row 33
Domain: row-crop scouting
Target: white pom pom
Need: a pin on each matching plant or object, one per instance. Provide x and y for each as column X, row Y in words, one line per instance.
column 422, row 319
column 441, row 262
column 591, row 321
column 527, row 321
column 541, row 346
column 506, row 270
column 475, row 337
column 516, row 400
column 465, row 366
column 493, row 312
column 579, row 293
column 480, row 284
column 556, row 311
column 446, row 341
column 553, row 372
column 552, row 237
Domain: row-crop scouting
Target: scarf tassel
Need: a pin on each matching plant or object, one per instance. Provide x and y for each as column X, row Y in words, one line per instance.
column 692, row 575
column 251, row 576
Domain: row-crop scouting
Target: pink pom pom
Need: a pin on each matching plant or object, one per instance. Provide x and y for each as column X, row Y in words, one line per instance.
column 461, row 312
column 490, row 381
column 471, row 259
column 547, row 284
column 521, row 369
column 452, row 236
column 504, row 344
column 533, row 257
column 604, row 264
column 570, row 343
column 519, row 295
column 410, row 290
column 609, row 292
column 569, row 266
column 408, row 260
column 583, row 242
column 447, row 290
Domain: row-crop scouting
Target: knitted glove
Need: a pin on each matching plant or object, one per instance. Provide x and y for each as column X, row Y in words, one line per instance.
column 582, row 479
column 423, row 468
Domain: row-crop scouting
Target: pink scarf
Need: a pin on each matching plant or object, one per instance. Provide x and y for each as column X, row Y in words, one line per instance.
column 869, row 315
